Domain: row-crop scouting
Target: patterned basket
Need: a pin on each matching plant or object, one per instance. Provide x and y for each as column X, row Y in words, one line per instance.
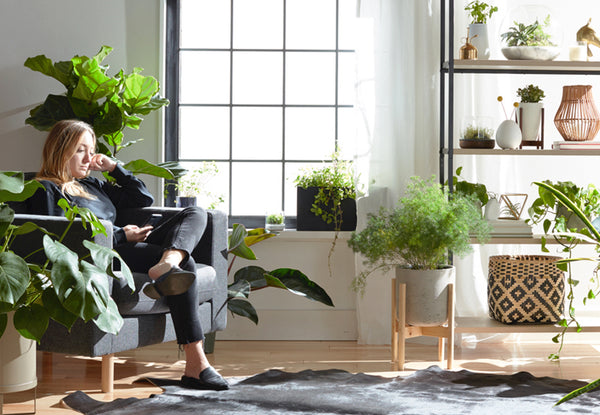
column 525, row 289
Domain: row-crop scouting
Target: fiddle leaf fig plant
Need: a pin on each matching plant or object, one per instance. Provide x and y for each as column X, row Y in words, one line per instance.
column 64, row 287
column 252, row 278
column 110, row 104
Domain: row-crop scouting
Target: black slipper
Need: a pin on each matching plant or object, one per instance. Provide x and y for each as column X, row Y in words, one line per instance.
column 209, row 379
column 173, row 282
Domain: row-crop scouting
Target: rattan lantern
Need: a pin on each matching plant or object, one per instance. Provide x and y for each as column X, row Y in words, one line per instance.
column 577, row 118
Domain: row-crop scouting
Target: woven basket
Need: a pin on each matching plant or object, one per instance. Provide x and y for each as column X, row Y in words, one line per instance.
column 525, row 289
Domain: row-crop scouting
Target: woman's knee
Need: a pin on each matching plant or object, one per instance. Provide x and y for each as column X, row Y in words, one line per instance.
column 195, row 212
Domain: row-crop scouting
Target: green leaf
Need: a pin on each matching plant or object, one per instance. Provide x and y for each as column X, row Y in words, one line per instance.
column 298, row 283
column 257, row 235
column 56, row 310
column 239, row 289
column 32, row 321
column 3, row 323
column 6, row 217
column 109, row 121
column 243, row 308
column 14, row 277
column 237, row 244
column 10, row 193
column 254, row 275
column 587, row 388
column 103, row 258
column 110, row 321
column 55, row 108
column 139, row 90
column 144, row 167
column 61, row 71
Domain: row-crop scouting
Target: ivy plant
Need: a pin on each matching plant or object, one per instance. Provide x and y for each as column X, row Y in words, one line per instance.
column 110, row 104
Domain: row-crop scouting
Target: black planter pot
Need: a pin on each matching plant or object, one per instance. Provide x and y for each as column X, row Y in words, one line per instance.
column 308, row 221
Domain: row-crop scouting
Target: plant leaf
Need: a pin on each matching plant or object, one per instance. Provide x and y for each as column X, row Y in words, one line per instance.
column 103, row 258
column 254, row 275
column 298, row 283
column 56, row 310
column 237, row 243
column 55, row 108
column 110, row 321
column 14, row 277
column 243, row 308
column 145, row 167
column 31, row 321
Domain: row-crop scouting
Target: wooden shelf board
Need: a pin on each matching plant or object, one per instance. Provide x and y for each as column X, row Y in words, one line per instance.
column 524, row 152
column 488, row 325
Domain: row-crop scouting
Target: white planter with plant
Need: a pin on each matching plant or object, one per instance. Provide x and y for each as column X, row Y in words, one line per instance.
column 17, row 360
column 530, row 111
column 529, row 42
column 417, row 235
column 480, row 12
column 275, row 222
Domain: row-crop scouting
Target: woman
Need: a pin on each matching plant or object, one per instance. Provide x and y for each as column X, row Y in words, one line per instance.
column 162, row 252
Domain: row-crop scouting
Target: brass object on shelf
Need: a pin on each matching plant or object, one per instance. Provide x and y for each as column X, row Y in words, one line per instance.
column 588, row 35
column 468, row 51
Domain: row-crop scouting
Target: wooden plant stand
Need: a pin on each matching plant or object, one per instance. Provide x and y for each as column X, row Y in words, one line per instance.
column 401, row 331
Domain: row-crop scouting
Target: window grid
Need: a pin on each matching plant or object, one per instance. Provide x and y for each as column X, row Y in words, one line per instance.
column 172, row 148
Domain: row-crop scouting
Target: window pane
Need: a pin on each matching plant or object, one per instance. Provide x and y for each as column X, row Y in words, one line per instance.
column 257, row 133
column 256, row 188
column 310, row 24
column 258, row 24
column 292, row 170
column 204, row 133
column 204, row 78
column 347, row 132
column 257, row 77
column 310, row 78
column 346, row 78
column 309, row 133
column 205, row 23
column 348, row 23
column 215, row 187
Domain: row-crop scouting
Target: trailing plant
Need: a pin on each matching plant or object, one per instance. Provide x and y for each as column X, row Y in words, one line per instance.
column 528, row 35
column 65, row 287
column 480, row 11
column 474, row 132
column 419, row 232
column 335, row 181
column 252, row 278
column 530, row 93
column 108, row 104
column 588, row 233
column 477, row 191
column 563, row 223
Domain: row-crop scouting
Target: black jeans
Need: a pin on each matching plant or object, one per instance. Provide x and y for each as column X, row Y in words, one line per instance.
column 182, row 231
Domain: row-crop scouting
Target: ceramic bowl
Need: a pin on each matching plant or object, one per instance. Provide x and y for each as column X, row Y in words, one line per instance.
column 543, row 53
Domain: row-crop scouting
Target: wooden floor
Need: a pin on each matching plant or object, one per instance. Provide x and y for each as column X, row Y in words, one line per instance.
column 64, row 374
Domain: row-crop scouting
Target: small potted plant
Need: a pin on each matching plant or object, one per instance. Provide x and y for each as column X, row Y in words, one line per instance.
column 530, row 112
column 192, row 187
column 275, row 222
column 415, row 238
column 480, row 12
column 529, row 41
column 477, row 133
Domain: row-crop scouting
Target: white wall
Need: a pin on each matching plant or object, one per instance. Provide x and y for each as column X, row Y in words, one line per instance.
column 61, row 29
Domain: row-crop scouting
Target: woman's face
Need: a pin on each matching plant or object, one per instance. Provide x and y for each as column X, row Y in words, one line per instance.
column 79, row 164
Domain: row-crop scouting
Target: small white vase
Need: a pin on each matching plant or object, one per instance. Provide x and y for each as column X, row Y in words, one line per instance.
column 492, row 209
column 530, row 117
column 508, row 135
column 481, row 40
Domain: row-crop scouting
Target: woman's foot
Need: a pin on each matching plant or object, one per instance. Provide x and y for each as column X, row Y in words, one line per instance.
column 208, row 379
column 174, row 281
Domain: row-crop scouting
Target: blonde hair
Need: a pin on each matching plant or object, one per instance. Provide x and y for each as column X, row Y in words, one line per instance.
column 60, row 147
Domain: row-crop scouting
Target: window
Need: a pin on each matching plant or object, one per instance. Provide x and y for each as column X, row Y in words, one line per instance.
column 261, row 87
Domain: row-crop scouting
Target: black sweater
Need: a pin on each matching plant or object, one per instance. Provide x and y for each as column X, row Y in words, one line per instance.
column 129, row 192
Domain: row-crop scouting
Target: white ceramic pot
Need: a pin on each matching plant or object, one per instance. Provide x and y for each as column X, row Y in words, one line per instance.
column 539, row 53
column 508, row 135
column 492, row 209
column 478, row 34
column 17, row 361
column 530, row 118
column 426, row 294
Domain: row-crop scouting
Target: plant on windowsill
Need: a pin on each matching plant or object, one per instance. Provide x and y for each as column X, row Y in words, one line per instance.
column 415, row 238
column 192, row 187
column 326, row 199
column 108, row 104
column 252, row 278
column 65, row 287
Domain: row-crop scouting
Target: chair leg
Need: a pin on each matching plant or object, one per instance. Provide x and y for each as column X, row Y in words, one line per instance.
column 108, row 373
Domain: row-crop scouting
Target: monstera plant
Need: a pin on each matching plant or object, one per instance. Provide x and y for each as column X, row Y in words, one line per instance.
column 64, row 287
column 108, row 104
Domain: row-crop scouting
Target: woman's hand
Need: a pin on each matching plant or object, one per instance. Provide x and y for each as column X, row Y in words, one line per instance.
column 136, row 234
column 101, row 162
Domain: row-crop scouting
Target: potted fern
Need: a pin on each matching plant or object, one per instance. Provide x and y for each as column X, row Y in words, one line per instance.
column 415, row 238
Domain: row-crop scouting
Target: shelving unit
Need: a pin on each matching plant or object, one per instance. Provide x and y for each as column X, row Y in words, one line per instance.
column 449, row 67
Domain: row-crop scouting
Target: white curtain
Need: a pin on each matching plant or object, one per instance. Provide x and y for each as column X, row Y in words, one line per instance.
column 398, row 100
column 398, row 72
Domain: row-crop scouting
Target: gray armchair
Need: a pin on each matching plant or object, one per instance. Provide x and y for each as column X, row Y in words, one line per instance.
column 146, row 321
